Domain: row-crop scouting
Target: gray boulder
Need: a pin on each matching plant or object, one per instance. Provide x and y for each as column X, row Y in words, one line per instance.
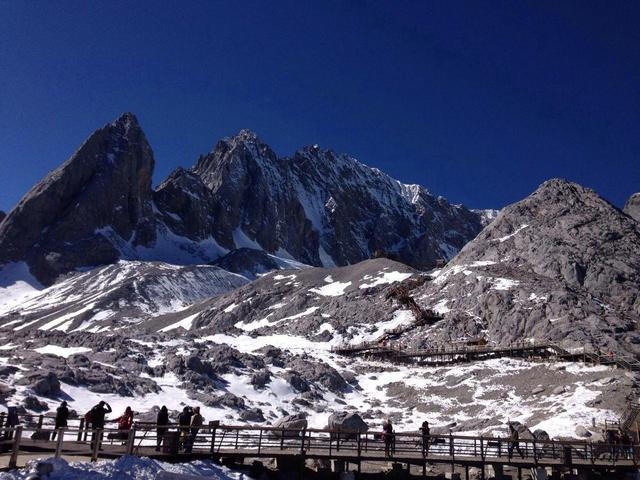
column 347, row 422
column 583, row 432
column 290, row 425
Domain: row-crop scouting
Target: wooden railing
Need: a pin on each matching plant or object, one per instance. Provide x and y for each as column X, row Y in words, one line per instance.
column 215, row 440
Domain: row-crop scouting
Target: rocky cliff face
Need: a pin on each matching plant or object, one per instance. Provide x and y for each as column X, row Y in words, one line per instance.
column 562, row 264
column 318, row 207
column 67, row 219
column 632, row 207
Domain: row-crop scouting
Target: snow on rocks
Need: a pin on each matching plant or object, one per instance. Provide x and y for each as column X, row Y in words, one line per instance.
column 126, row 468
column 64, row 352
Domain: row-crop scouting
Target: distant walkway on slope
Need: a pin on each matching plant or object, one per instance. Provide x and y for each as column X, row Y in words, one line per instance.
column 390, row 351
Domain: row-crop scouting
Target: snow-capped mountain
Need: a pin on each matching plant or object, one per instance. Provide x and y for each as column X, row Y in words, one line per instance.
column 632, row 207
column 316, row 208
column 562, row 264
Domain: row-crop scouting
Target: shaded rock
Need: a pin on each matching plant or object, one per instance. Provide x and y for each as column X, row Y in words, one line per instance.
column 45, row 384
column 32, row 403
column 582, row 432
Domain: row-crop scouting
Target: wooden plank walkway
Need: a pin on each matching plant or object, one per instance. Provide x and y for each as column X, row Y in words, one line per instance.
column 462, row 354
column 239, row 442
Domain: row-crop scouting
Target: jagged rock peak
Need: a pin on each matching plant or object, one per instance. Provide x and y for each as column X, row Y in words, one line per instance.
column 632, row 207
column 72, row 216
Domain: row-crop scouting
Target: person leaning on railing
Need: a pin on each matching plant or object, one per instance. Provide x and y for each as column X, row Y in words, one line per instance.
column 161, row 421
column 62, row 415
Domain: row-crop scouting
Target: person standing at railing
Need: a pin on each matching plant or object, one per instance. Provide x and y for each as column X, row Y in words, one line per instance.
column 12, row 421
column 426, row 432
column 196, row 422
column 514, row 441
column 184, row 421
column 161, row 421
column 98, row 414
column 125, row 422
column 387, row 435
column 62, row 415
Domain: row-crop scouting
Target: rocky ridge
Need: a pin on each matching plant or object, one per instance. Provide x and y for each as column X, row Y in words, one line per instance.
column 316, row 208
column 563, row 264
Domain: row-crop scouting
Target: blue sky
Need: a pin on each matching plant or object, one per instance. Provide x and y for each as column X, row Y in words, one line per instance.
column 478, row 101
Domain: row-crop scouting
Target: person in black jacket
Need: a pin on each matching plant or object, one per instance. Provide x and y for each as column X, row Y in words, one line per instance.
column 514, row 441
column 161, row 421
column 62, row 415
column 97, row 419
column 426, row 432
column 184, row 422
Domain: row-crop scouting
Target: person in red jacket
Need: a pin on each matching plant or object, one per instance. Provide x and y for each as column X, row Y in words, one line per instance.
column 125, row 422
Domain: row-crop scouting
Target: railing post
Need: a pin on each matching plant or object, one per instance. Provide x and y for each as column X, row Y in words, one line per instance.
column 213, row 425
column 282, row 440
column 80, row 428
column 40, row 421
column 60, row 441
column 13, row 461
column 96, row 438
column 482, row 450
column 260, row 442
column 131, row 439
column 359, row 446
column 2, row 415
column 451, row 447
column 303, row 434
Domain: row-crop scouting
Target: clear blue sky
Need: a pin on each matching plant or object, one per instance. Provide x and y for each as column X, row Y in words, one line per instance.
column 478, row 101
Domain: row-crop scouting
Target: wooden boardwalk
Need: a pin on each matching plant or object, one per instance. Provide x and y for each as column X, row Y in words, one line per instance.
column 461, row 354
column 217, row 442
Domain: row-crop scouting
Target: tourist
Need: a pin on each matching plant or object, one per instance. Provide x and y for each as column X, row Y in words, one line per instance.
column 196, row 422
column 62, row 415
column 387, row 429
column 12, row 422
column 184, row 422
column 426, row 432
column 98, row 413
column 125, row 422
column 161, row 421
column 514, row 442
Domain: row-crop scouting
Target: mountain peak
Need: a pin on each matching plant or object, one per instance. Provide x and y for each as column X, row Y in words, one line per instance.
column 126, row 121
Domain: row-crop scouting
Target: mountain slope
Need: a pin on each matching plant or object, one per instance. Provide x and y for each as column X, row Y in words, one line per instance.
column 326, row 304
column 562, row 264
column 115, row 296
column 103, row 189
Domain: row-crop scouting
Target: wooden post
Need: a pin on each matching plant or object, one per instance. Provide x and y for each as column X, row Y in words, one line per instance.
column 13, row 461
column 96, row 437
column 131, row 439
column 214, row 425
column 282, row 440
column 260, row 442
column 59, row 442
column 40, row 421
column 303, row 433
column 80, row 428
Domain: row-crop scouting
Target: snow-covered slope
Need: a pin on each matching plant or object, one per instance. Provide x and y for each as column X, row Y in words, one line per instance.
column 335, row 304
column 114, row 296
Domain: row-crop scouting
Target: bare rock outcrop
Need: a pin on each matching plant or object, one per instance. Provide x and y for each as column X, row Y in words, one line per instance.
column 78, row 213
column 563, row 264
